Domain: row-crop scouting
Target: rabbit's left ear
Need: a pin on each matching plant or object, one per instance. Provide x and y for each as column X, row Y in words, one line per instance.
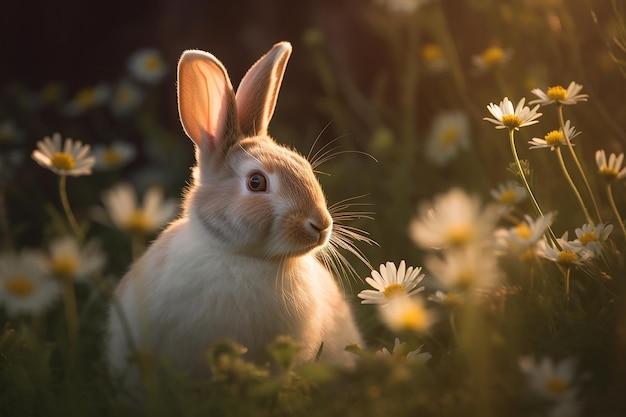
column 258, row 90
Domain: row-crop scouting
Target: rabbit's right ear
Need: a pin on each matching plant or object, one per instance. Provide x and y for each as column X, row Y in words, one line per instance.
column 206, row 100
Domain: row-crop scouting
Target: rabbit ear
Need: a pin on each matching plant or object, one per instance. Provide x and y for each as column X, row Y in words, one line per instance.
column 258, row 91
column 206, row 100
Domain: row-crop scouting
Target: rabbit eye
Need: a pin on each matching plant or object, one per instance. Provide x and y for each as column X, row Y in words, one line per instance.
column 257, row 182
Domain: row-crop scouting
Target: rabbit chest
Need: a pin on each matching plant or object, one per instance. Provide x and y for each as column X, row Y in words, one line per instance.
column 199, row 293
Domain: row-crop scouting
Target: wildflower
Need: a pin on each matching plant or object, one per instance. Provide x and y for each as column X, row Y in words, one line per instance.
column 126, row 98
column 86, row 99
column 558, row 94
column 571, row 252
column 448, row 299
column 554, row 138
column 524, row 236
column 454, row 219
column 464, row 269
column 72, row 158
column 402, row 6
column 433, row 57
column 127, row 215
column 509, row 193
column 548, row 379
column 68, row 261
column 113, row 156
column 613, row 169
column 512, row 118
column 392, row 282
column 24, row 286
column 491, row 58
column 407, row 314
column 448, row 134
column 10, row 135
column 593, row 237
column 147, row 66
column 399, row 353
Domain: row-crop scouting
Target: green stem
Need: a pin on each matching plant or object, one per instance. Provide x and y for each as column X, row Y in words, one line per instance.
column 550, row 234
column 618, row 218
column 559, row 108
column 68, row 209
column 567, row 273
column 571, row 183
column 71, row 312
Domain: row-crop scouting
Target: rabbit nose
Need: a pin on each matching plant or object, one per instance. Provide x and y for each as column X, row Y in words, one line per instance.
column 321, row 227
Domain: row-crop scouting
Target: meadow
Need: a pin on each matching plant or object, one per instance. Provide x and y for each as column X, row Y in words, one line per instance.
column 473, row 150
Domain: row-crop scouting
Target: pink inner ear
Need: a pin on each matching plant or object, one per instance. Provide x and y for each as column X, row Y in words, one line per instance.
column 204, row 94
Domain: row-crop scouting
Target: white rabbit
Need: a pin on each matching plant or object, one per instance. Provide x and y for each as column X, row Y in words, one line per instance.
column 240, row 262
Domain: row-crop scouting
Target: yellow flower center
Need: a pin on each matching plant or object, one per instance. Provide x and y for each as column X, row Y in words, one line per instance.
column 123, row 95
column 393, row 289
column 555, row 386
column 85, row 98
column 608, row 173
column 588, row 237
column 20, row 285
column 138, row 223
column 466, row 278
column 523, row 231
column 449, row 137
column 431, row 53
column 460, row 234
column 554, row 138
column 493, row 56
column 63, row 161
column 511, row 121
column 112, row 156
column 557, row 93
column 567, row 257
column 413, row 317
column 64, row 266
column 51, row 93
column 507, row 197
column 152, row 63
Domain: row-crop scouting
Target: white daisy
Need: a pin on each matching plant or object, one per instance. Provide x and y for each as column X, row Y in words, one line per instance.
column 70, row 158
column 554, row 138
column 571, row 252
column 68, row 261
column 509, row 193
column 86, row 99
column 399, row 353
column 559, row 94
column 147, row 65
column 392, row 282
column 126, row 98
column 127, row 215
column 464, row 269
column 448, row 134
column 516, row 240
column 548, row 379
column 611, row 170
column 433, row 58
column 512, row 118
column 593, row 237
column 25, row 288
column 407, row 314
column 491, row 58
column 113, row 156
column 454, row 219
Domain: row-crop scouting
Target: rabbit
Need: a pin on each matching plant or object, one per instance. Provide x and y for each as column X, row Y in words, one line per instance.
column 240, row 262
